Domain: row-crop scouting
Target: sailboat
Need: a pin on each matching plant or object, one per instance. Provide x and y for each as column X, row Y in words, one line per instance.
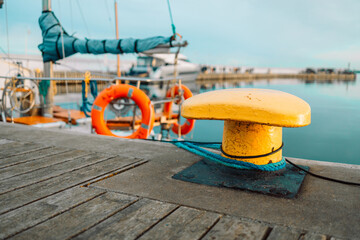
column 58, row 44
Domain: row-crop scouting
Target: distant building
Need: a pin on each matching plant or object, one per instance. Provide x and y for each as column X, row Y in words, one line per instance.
column 247, row 69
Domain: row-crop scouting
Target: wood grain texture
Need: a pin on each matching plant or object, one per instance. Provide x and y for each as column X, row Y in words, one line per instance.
column 76, row 159
column 313, row 236
column 130, row 222
column 23, row 196
column 78, row 219
column 184, row 223
column 282, row 233
column 4, row 141
column 6, row 146
column 234, row 228
column 39, row 163
column 335, row 238
column 22, row 158
column 16, row 148
column 23, row 218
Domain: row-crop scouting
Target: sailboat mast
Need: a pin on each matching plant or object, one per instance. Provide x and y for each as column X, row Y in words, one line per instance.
column 117, row 37
column 46, row 5
column 47, row 109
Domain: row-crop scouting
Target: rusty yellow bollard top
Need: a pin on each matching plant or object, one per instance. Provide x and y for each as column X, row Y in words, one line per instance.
column 253, row 120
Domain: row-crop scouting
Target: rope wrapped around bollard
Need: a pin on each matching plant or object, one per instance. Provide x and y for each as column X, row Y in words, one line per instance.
column 197, row 149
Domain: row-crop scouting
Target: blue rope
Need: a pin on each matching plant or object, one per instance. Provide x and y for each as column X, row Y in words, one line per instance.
column 196, row 149
column 171, row 18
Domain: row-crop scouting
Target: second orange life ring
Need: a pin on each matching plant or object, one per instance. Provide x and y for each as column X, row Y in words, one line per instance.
column 123, row 91
column 189, row 124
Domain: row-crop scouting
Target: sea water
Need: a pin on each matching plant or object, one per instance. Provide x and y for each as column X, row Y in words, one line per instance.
column 334, row 132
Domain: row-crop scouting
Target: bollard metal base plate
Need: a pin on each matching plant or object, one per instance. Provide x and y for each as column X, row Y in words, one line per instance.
column 284, row 183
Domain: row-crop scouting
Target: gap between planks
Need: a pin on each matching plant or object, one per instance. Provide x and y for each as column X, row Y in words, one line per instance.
column 208, row 230
column 32, row 158
column 57, row 213
column 127, row 166
column 23, row 148
column 104, row 219
column 134, row 165
column 160, row 220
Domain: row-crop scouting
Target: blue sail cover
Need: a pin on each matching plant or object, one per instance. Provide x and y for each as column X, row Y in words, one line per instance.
column 51, row 47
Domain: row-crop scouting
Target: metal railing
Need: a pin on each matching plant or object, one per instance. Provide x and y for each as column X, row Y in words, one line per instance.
column 11, row 90
column 131, row 79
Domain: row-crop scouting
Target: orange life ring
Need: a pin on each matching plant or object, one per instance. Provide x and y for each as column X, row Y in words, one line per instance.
column 123, row 91
column 189, row 124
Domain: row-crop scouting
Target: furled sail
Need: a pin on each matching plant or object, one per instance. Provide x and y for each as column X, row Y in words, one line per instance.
column 51, row 47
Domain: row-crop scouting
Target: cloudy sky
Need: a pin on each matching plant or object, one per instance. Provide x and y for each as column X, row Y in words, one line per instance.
column 276, row 33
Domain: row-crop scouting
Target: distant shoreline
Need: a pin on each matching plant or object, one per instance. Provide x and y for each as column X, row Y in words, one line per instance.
column 244, row 76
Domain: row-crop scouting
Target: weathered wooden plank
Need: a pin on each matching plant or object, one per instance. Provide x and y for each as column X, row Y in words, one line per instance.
column 130, row 222
column 23, row 218
column 282, row 233
column 76, row 159
column 234, row 228
column 9, row 145
column 3, row 141
column 21, row 158
column 23, row 196
column 335, row 238
column 16, row 148
column 184, row 223
column 39, row 163
column 80, row 218
column 313, row 236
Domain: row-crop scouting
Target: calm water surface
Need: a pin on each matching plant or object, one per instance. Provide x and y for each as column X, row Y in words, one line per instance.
column 334, row 132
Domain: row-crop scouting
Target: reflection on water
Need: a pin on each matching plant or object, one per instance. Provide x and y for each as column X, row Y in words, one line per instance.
column 205, row 86
column 334, row 132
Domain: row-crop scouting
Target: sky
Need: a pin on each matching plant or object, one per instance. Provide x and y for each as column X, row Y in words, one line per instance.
column 259, row 33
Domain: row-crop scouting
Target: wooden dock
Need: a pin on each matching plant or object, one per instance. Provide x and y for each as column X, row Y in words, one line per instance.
column 57, row 185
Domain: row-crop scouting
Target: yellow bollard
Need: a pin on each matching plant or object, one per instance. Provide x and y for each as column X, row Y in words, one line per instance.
column 249, row 139
column 253, row 120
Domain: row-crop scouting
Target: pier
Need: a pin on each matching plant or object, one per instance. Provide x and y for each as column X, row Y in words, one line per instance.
column 246, row 76
column 62, row 185
column 75, row 86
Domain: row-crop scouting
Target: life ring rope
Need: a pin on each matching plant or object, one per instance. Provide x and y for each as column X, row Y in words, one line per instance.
column 189, row 123
column 123, row 91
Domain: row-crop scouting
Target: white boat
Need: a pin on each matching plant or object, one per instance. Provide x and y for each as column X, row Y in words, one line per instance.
column 162, row 65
